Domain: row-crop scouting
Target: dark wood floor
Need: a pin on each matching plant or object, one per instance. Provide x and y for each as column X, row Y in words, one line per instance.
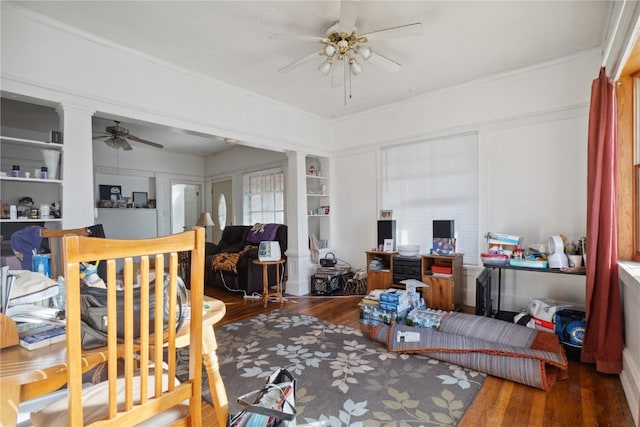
column 587, row 398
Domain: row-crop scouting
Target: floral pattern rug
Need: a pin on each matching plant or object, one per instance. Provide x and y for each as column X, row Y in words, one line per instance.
column 343, row 377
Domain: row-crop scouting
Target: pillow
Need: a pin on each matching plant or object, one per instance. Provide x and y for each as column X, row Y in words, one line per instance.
column 262, row 232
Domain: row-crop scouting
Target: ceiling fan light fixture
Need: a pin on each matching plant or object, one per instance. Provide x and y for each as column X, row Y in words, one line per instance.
column 343, row 46
column 118, row 142
column 355, row 67
column 325, row 66
column 365, row 52
column 329, row 50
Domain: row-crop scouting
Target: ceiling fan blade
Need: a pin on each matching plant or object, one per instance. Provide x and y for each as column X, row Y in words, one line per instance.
column 144, row 141
column 297, row 63
column 348, row 14
column 407, row 30
column 105, row 135
column 383, row 61
column 295, row 37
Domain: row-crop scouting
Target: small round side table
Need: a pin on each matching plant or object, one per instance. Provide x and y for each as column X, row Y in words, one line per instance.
column 265, row 279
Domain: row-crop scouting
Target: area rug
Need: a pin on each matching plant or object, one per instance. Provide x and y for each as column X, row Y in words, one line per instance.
column 343, row 377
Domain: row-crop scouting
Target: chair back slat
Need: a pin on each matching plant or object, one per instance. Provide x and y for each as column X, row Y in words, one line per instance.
column 146, row 379
column 54, row 237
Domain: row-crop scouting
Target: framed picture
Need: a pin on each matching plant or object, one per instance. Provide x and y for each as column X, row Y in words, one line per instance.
column 443, row 246
column 388, row 245
column 387, row 214
column 140, row 199
column 110, row 192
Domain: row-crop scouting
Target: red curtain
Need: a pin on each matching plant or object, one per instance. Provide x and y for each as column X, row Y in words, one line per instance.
column 602, row 343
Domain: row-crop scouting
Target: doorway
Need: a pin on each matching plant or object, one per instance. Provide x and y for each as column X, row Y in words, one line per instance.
column 185, row 206
column 221, row 207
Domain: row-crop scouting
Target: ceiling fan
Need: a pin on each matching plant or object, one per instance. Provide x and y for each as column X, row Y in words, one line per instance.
column 117, row 138
column 343, row 44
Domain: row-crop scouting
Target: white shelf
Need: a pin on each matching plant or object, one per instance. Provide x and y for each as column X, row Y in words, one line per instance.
column 317, row 177
column 32, row 220
column 26, row 152
column 22, row 141
column 318, row 199
column 34, row 180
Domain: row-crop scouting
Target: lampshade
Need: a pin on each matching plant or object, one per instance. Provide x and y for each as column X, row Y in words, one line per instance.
column 365, row 52
column 355, row 67
column 329, row 50
column 325, row 66
column 205, row 220
column 118, row 142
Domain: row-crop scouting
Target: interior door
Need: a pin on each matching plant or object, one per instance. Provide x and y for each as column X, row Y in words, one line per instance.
column 185, row 206
column 191, row 205
column 222, row 207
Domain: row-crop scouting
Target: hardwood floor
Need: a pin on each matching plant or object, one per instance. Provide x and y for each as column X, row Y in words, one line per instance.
column 587, row 398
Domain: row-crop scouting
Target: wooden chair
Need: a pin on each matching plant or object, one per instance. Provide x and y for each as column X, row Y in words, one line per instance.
column 55, row 245
column 141, row 395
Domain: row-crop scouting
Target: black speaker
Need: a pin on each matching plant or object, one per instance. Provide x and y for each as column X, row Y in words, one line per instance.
column 443, row 229
column 387, row 230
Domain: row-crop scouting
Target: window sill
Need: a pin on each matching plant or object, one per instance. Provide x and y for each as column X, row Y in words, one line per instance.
column 629, row 271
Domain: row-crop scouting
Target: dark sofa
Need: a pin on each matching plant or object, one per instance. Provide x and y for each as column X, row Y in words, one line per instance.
column 238, row 248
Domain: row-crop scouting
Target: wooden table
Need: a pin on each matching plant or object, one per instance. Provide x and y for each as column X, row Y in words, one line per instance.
column 265, row 279
column 27, row 374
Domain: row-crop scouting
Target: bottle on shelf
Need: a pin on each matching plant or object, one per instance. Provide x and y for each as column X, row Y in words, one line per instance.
column 15, row 171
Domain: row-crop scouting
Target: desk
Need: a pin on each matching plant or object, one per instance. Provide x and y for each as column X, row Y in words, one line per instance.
column 483, row 298
column 265, row 279
column 27, row 374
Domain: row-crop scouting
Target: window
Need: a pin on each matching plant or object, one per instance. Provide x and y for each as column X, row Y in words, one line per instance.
column 433, row 180
column 264, row 196
column 222, row 211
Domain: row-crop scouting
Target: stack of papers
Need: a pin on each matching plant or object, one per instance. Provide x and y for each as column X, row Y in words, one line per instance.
column 27, row 287
column 21, row 294
column 6, row 283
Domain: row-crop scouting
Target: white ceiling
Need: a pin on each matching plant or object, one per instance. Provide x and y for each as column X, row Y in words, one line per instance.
column 229, row 41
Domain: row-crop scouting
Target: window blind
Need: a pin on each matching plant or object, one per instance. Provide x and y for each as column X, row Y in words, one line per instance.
column 435, row 179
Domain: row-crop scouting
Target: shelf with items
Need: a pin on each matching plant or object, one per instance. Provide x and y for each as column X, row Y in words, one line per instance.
column 318, row 201
column 37, row 166
column 444, row 275
column 379, row 270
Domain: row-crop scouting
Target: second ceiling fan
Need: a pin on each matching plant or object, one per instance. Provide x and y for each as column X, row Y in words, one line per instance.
column 117, row 137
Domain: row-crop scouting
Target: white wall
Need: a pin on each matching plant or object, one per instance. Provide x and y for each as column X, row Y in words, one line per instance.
column 532, row 127
column 354, row 186
column 48, row 60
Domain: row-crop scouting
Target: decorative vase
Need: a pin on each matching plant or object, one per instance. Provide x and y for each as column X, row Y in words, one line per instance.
column 51, row 159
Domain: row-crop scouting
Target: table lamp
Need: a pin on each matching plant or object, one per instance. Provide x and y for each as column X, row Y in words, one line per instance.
column 205, row 220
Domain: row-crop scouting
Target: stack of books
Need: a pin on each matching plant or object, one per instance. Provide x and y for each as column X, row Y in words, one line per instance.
column 43, row 338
